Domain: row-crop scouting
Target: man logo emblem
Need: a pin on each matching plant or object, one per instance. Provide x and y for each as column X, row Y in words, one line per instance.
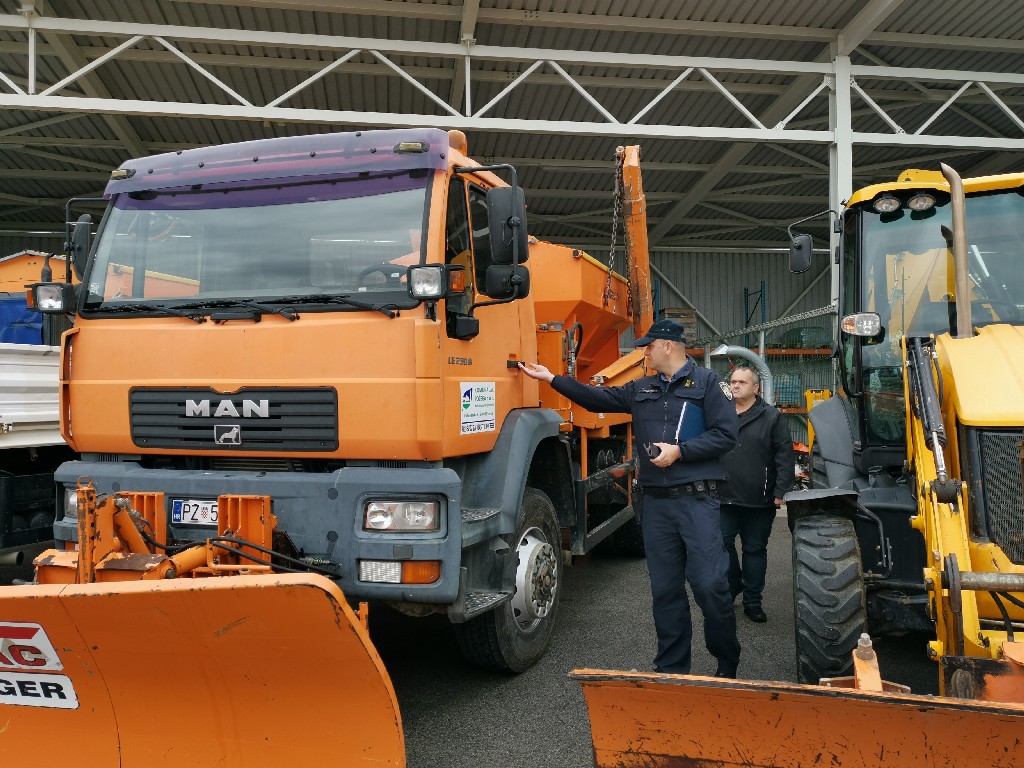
column 227, row 434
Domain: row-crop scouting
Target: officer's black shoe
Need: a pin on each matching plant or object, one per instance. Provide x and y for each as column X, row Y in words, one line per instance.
column 728, row 672
column 755, row 613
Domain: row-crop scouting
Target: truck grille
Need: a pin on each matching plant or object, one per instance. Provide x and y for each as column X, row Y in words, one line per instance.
column 1001, row 457
column 269, row 419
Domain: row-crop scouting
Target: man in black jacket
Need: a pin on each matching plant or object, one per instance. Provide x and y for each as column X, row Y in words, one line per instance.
column 684, row 421
column 760, row 471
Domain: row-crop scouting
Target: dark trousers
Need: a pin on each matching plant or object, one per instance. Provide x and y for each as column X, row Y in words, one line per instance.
column 753, row 525
column 684, row 543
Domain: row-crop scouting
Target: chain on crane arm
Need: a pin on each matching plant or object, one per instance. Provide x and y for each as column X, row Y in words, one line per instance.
column 620, row 156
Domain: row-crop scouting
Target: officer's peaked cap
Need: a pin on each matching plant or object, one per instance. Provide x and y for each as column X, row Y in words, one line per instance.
column 663, row 329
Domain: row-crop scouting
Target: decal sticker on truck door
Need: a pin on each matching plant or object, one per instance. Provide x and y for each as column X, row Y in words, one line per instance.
column 479, row 406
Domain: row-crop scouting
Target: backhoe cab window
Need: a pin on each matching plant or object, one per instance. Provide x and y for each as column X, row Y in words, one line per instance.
column 906, row 268
column 351, row 235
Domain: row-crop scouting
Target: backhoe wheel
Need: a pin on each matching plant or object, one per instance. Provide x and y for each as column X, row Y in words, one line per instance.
column 515, row 635
column 828, row 597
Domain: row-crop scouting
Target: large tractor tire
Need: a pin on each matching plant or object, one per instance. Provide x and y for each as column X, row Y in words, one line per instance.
column 513, row 636
column 828, row 597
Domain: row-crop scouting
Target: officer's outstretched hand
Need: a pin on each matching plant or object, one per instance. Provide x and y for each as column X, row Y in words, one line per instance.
column 669, row 455
column 536, row 371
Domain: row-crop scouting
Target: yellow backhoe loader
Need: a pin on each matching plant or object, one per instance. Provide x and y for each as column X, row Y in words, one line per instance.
column 915, row 520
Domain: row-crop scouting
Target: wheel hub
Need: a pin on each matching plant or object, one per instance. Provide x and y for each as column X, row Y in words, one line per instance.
column 536, row 579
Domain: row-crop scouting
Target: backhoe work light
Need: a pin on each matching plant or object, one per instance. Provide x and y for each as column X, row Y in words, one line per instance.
column 921, row 202
column 862, row 324
column 405, row 516
column 886, row 204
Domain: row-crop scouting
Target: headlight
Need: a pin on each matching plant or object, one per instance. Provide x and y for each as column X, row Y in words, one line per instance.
column 53, row 298
column 401, row 516
column 887, row 204
column 71, row 502
column 921, row 202
column 862, row 324
column 427, row 282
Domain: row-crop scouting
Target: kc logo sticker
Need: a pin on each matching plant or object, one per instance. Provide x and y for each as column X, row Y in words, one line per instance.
column 26, row 647
column 27, row 663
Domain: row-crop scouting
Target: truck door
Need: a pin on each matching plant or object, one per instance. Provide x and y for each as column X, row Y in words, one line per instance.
column 477, row 369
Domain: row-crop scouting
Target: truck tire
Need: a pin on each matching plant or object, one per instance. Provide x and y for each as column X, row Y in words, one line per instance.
column 513, row 636
column 828, row 597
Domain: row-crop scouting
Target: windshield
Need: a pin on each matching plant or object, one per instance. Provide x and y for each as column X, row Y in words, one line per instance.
column 906, row 268
column 352, row 236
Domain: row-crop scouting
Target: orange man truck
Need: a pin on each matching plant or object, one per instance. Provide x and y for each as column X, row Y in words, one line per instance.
column 300, row 354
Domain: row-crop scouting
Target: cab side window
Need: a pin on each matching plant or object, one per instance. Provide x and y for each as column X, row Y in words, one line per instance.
column 458, row 246
column 481, row 232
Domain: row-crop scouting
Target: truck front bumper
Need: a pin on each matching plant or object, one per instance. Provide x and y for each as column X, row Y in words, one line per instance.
column 321, row 513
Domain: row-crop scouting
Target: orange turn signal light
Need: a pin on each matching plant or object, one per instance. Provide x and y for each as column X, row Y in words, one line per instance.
column 456, row 280
column 421, row 571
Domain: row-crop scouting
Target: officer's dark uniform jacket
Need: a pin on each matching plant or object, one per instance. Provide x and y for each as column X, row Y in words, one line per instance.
column 655, row 406
column 761, row 465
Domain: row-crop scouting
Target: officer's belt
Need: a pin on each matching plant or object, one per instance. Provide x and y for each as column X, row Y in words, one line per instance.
column 698, row 488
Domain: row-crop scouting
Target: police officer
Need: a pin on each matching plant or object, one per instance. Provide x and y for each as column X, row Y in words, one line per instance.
column 680, row 476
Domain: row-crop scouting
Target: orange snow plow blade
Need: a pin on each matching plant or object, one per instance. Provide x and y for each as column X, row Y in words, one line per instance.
column 672, row 721
column 235, row 671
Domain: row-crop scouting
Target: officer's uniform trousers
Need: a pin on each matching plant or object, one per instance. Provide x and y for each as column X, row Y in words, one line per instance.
column 684, row 543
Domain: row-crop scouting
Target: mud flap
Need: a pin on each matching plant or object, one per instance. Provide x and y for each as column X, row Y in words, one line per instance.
column 233, row 671
column 662, row 721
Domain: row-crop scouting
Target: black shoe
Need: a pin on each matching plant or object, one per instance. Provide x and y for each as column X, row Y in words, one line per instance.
column 755, row 613
column 729, row 673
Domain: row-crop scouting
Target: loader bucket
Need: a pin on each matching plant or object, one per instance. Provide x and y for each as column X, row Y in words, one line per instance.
column 662, row 721
column 233, row 671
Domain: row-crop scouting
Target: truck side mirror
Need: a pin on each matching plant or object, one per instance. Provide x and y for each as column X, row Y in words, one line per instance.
column 503, row 281
column 800, row 248
column 79, row 244
column 506, row 217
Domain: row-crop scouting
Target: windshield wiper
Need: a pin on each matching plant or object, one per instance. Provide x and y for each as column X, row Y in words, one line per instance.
column 224, row 303
column 138, row 306
column 339, row 298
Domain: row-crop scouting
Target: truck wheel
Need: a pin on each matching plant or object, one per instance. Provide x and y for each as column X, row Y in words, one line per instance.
column 514, row 636
column 828, row 597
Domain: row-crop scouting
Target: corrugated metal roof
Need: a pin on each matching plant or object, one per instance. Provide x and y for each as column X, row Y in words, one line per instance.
column 746, row 191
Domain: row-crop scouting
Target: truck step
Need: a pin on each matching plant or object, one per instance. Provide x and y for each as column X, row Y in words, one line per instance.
column 481, row 602
column 478, row 514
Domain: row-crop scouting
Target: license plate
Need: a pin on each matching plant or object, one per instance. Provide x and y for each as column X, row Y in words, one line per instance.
column 194, row 512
